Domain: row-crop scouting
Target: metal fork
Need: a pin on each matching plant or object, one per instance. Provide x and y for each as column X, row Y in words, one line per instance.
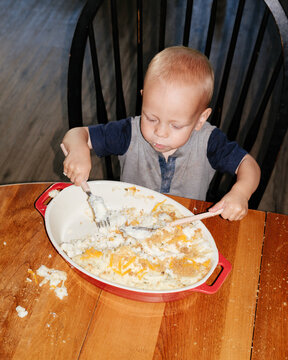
column 98, row 206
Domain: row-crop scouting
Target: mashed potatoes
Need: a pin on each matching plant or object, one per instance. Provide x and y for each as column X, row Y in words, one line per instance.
column 163, row 259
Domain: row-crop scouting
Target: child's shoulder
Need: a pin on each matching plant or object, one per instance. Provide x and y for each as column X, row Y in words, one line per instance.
column 207, row 127
column 204, row 133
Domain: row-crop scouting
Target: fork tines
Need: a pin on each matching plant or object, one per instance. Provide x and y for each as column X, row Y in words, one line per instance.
column 103, row 223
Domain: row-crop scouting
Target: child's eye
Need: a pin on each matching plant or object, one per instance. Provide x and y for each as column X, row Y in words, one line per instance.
column 177, row 127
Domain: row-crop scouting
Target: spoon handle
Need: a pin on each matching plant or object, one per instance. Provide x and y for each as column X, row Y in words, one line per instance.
column 195, row 217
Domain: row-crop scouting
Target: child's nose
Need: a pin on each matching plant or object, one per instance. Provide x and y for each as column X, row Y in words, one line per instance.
column 161, row 131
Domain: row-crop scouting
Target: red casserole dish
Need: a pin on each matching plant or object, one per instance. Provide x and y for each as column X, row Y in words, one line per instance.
column 65, row 217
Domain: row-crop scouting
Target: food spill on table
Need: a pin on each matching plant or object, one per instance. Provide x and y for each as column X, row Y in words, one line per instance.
column 21, row 311
column 56, row 279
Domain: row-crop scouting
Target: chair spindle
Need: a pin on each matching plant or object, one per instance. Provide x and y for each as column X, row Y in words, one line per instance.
column 211, row 28
column 120, row 102
column 162, row 26
column 216, row 116
column 139, row 56
column 187, row 26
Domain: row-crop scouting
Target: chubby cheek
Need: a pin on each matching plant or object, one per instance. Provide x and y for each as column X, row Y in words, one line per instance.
column 177, row 140
column 180, row 138
column 146, row 130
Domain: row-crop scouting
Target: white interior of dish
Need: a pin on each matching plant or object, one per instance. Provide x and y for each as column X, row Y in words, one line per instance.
column 67, row 217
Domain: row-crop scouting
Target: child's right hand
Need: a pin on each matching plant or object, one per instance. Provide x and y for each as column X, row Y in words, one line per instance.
column 76, row 147
column 77, row 166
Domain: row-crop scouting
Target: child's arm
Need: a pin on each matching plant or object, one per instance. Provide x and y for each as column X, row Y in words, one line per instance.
column 235, row 202
column 77, row 164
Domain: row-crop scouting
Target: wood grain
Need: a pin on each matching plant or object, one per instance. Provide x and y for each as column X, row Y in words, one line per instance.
column 35, row 44
column 271, row 327
column 90, row 322
column 219, row 326
column 123, row 329
column 53, row 328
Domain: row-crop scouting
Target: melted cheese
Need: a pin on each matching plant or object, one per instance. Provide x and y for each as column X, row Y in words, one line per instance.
column 167, row 258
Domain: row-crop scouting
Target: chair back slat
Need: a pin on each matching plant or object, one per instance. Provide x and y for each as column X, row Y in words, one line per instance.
column 211, row 28
column 162, row 24
column 120, row 102
column 100, row 103
column 233, row 129
column 276, row 138
column 254, row 129
column 187, row 25
column 216, row 116
column 263, row 132
column 139, row 56
column 75, row 68
column 280, row 125
column 250, row 139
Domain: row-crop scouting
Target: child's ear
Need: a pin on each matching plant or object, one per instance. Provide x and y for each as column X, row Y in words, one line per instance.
column 203, row 118
column 141, row 92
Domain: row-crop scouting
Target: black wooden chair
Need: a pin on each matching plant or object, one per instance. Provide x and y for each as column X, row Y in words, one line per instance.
column 246, row 42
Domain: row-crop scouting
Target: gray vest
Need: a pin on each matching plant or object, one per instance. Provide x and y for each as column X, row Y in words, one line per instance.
column 193, row 172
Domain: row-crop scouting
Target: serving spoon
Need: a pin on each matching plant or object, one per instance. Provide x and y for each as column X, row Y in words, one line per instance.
column 185, row 220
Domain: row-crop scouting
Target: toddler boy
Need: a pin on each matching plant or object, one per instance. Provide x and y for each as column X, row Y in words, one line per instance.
column 170, row 148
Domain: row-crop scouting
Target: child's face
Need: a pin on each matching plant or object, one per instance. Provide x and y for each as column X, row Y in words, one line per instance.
column 170, row 112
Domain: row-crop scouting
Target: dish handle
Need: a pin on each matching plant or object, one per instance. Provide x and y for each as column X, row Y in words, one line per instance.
column 41, row 202
column 212, row 289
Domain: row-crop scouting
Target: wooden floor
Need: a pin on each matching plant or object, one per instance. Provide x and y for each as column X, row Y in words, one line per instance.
column 35, row 38
column 35, row 43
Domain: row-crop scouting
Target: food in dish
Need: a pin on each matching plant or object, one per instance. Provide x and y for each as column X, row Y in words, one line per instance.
column 164, row 259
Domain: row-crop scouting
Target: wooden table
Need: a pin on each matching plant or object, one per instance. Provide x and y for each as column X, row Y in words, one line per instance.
column 246, row 318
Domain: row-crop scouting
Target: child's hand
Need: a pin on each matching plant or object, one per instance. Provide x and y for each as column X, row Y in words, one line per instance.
column 235, row 202
column 77, row 166
column 76, row 147
column 235, row 206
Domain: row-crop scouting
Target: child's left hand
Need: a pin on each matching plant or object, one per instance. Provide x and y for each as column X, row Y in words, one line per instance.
column 235, row 202
column 235, row 206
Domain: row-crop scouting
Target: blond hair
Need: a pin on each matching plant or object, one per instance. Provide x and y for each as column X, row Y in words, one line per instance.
column 183, row 65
